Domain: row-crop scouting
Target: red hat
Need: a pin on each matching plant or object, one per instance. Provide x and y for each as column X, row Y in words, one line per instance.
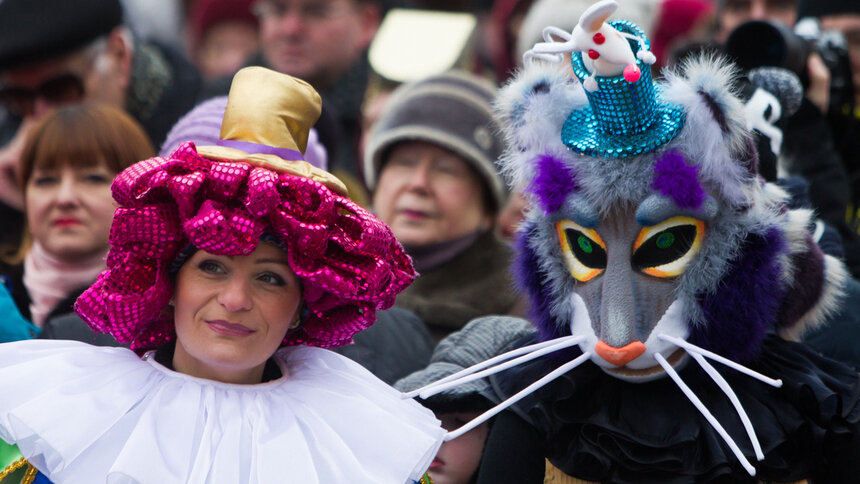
column 203, row 14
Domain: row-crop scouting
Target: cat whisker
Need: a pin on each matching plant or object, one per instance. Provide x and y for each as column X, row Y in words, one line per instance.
column 691, row 348
column 473, row 372
column 727, row 389
column 561, row 370
column 705, row 412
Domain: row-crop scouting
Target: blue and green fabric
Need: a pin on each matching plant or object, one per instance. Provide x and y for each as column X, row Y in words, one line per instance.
column 13, row 326
column 14, row 468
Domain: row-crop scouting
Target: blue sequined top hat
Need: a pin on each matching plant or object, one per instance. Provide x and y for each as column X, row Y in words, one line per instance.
column 622, row 118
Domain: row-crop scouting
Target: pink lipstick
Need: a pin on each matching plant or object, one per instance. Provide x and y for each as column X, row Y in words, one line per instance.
column 228, row 329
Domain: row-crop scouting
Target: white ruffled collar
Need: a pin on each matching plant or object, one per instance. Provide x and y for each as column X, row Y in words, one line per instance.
column 280, row 359
column 104, row 412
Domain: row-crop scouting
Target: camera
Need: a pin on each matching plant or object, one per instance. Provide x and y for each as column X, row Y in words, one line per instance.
column 759, row 43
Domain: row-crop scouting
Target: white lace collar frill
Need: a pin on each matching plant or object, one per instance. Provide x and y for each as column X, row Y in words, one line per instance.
column 84, row 414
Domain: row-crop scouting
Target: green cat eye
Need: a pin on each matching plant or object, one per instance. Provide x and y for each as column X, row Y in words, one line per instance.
column 585, row 244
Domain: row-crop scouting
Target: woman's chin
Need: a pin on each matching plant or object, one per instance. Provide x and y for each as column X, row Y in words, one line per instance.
column 412, row 236
column 71, row 249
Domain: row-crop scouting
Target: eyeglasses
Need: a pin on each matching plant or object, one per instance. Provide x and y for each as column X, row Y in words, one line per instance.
column 311, row 12
column 62, row 89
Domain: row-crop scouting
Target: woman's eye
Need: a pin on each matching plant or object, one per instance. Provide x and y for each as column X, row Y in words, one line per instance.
column 664, row 250
column 210, row 267
column 584, row 251
column 97, row 178
column 402, row 162
column 449, row 167
column 274, row 279
column 44, row 180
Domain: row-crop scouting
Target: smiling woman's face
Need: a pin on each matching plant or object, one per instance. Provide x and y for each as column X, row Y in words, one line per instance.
column 232, row 312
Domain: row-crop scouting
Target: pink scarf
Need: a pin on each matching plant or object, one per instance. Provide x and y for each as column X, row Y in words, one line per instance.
column 49, row 280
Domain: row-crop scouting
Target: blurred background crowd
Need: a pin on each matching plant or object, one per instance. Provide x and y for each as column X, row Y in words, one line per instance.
column 91, row 86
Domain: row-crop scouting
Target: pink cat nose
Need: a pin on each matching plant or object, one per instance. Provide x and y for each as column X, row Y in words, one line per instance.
column 619, row 356
column 632, row 73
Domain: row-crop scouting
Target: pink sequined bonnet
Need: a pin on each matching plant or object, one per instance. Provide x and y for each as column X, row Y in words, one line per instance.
column 221, row 199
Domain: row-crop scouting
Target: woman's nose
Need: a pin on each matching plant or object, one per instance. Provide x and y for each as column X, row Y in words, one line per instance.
column 234, row 296
column 419, row 178
column 67, row 191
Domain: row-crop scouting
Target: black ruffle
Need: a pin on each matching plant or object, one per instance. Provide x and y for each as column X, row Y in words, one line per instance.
column 599, row 428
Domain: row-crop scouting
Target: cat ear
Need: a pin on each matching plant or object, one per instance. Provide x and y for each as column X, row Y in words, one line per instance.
column 715, row 79
column 532, row 108
column 715, row 132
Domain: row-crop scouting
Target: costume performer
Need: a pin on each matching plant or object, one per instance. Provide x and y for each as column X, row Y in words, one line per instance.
column 666, row 280
column 83, row 414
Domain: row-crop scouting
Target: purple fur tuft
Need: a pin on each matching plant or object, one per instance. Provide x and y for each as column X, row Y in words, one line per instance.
column 530, row 280
column 745, row 305
column 677, row 180
column 553, row 183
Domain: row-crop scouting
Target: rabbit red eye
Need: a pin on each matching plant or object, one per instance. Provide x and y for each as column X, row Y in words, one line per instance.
column 593, row 54
column 598, row 38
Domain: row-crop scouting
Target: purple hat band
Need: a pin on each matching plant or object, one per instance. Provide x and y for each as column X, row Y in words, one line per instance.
column 261, row 149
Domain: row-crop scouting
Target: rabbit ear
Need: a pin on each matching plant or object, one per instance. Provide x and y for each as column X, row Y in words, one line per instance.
column 597, row 14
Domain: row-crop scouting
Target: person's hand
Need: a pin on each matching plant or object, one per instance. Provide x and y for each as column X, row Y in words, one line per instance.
column 10, row 161
column 818, row 91
column 844, row 23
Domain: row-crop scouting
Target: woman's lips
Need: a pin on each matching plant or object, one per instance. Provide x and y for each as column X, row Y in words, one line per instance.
column 229, row 329
column 66, row 222
column 436, row 464
column 414, row 214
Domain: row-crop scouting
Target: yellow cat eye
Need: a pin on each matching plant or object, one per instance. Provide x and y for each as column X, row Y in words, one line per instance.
column 584, row 251
column 664, row 250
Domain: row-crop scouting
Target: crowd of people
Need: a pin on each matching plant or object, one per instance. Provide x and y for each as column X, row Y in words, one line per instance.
column 247, row 174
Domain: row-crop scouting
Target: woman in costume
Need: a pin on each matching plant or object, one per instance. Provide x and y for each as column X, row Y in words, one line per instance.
column 231, row 268
column 67, row 165
column 666, row 281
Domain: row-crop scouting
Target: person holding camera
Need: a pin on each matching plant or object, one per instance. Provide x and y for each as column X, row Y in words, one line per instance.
column 750, row 31
column 843, row 16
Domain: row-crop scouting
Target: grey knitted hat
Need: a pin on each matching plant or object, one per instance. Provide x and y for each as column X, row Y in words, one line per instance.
column 480, row 340
column 453, row 110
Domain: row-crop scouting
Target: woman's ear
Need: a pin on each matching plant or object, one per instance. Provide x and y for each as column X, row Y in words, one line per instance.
column 301, row 311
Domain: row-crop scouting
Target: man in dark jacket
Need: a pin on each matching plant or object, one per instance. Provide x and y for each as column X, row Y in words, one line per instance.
column 55, row 51
column 323, row 42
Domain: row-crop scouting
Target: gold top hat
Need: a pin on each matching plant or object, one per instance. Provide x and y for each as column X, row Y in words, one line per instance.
column 266, row 124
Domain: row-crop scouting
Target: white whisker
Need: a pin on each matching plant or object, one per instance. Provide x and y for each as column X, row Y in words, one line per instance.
column 691, row 348
column 705, row 412
column 561, row 370
column 724, row 386
column 472, row 373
